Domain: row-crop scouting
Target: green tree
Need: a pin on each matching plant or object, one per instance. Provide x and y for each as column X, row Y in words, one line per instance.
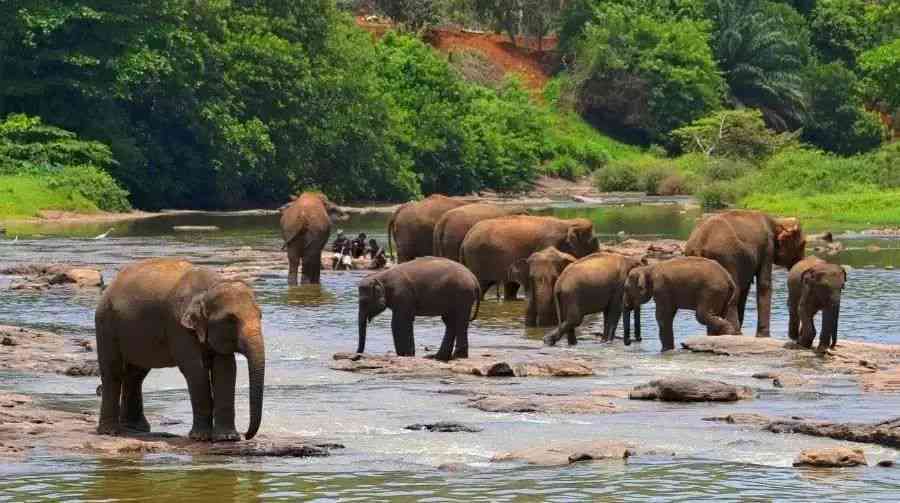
column 739, row 134
column 761, row 47
column 880, row 68
column 840, row 30
column 645, row 72
column 414, row 14
column 837, row 120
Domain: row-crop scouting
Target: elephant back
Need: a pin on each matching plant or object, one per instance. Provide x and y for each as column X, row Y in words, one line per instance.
column 452, row 227
column 413, row 224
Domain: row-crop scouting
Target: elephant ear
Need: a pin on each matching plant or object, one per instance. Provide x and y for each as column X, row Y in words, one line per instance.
column 566, row 261
column 518, row 270
column 194, row 318
column 810, row 276
column 645, row 281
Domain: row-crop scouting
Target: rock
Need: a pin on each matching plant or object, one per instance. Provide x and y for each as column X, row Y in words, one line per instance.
column 40, row 276
column 886, row 463
column 36, row 351
column 566, row 454
column 444, row 427
column 886, row 433
column 782, row 379
column 260, row 449
column 86, row 369
column 690, row 390
column 518, row 364
column 454, row 467
column 741, row 418
column 7, row 341
column 195, row 228
column 734, row 345
column 661, row 249
column 836, row 457
column 81, row 277
column 546, row 404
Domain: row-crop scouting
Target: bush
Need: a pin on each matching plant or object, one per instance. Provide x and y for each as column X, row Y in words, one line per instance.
column 716, row 195
column 565, row 167
column 617, row 177
column 723, row 170
column 738, row 133
column 675, row 184
column 881, row 69
column 94, row 185
column 651, row 179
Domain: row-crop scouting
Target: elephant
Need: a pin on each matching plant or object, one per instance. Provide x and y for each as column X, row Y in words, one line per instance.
column 451, row 228
column 748, row 244
column 164, row 313
column 305, row 227
column 539, row 273
column 595, row 284
column 695, row 283
column 412, row 226
column 492, row 246
column 814, row 285
column 426, row 286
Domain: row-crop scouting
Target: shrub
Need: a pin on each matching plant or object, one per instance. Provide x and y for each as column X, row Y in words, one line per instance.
column 723, row 170
column 881, row 69
column 93, row 184
column 617, row 177
column 565, row 167
column 716, row 195
column 738, row 133
column 675, row 184
column 476, row 68
column 650, row 179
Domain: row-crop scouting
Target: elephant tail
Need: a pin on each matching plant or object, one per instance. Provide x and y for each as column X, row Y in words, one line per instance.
column 390, row 239
column 477, row 302
column 558, row 303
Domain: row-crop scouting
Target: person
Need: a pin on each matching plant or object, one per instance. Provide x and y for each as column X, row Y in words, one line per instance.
column 339, row 242
column 358, row 246
column 376, row 253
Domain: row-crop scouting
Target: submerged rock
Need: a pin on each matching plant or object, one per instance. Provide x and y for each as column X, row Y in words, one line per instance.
column 836, row 457
column 86, row 369
column 28, row 350
column 444, row 427
column 734, row 345
column 741, row 418
column 486, row 365
column 41, row 276
column 660, row 249
column 690, row 390
column 886, row 433
column 566, row 454
column 547, row 404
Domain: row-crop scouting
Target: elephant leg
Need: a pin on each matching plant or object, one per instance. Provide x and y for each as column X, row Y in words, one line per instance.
column 312, row 266
column 793, row 318
column 132, row 408
column 461, row 332
column 665, row 318
column 293, row 264
column 112, row 368
column 224, row 371
column 446, row 349
column 510, row 290
column 197, row 376
column 611, row 318
column 531, row 312
column 764, row 300
column 485, row 285
column 715, row 324
column 402, row 329
column 742, row 304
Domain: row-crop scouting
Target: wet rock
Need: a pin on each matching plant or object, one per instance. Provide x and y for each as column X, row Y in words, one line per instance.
column 885, row 381
column 86, row 369
column 782, row 379
column 661, row 249
column 444, row 427
column 886, row 463
column 454, row 467
column 489, row 365
column 837, row 457
column 42, row 276
column 566, row 454
column 28, row 350
column 886, row 433
column 265, row 449
column 690, row 390
column 741, row 418
column 195, row 228
column 734, row 345
column 546, row 404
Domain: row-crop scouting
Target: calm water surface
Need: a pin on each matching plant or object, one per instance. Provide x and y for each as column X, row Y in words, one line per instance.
column 304, row 326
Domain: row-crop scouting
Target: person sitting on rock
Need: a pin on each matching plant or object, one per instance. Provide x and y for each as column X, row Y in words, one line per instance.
column 376, row 253
column 339, row 242
column 358, row 246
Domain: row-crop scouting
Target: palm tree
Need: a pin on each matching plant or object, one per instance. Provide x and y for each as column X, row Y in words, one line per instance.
column 762, row 54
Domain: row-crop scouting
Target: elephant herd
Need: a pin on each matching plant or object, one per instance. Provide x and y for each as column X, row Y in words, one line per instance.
column 169, row 313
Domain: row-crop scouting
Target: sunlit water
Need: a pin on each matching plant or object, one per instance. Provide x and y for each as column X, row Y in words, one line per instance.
column 304, row 326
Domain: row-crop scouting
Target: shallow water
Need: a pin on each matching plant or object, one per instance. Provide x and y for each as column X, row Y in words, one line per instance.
column 304, row 326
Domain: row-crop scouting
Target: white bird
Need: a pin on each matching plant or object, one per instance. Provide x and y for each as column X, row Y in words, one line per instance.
column 104, row 235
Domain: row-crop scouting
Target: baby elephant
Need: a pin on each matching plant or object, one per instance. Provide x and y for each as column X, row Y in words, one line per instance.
column 594, row 284
column 426, row 286
column 814, row 285
column 694, row 283
column 538, row 274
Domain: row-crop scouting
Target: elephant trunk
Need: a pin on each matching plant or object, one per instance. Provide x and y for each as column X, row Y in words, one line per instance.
column 255, row 352
column 543, row 295
column 637, row 321
column 836, row 312
column 626, row 322
column 363, row 321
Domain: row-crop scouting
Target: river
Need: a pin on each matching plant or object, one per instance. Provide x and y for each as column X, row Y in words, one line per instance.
column 304, row 326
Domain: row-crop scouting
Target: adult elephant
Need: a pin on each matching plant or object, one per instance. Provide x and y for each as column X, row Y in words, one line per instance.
column 595, row 284
column 305, row 228
column 492, row 246
column 426, row 286
column 748, row 244
column 165, row 313
column 452, row 227
column 412, row 226
column 815, row 285
column 539, row 273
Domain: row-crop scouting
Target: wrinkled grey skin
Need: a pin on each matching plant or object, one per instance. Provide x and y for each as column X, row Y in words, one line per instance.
column 412, row 225
column 426, row 286
column 492, row 246
column 693, row 283
column 452, row 227
column 815, row 285
column 539, row 273
column 165, row 313
column 595, row 284
column 305, row 227
column 748, row 244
